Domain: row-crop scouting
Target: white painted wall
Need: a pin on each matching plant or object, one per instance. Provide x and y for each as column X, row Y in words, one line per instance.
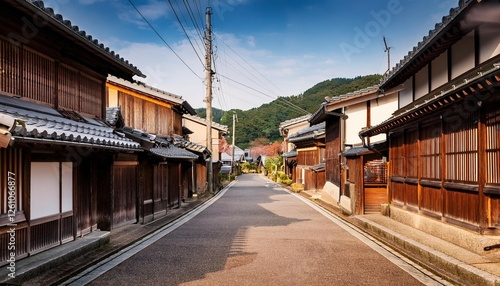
column 406, row 95
column 462, row 55
column 67, row 186
column 381, row 109
column 489, row 41
column 355, row 122
column 199, row 135
column 422, row 82
column 439, row 71
column 294, row 129
column 44, row 189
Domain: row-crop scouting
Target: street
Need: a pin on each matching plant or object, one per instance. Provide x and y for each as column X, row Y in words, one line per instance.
column 256, row 233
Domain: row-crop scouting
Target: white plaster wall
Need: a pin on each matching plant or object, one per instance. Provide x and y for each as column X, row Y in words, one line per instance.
column 422, row 82
column 381, row 110
column 439, row 71
column 67, row 186
column 355, row 122
column 294, row 129
column 489, row 40
column 199, row 135
column 44, row 189
column 406, row 95
column 462, row 55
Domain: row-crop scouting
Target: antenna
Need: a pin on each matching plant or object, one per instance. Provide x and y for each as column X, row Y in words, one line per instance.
column 388, row 50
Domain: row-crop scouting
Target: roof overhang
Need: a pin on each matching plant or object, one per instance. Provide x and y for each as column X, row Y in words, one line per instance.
column 116, row 64
column 478, row 85
column 451, row 29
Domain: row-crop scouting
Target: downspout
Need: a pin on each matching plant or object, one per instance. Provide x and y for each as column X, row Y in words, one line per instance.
column 369, row 146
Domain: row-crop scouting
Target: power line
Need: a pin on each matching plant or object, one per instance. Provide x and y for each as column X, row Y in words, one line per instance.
column 183, row 29
column 297, row 108
column 158, row 34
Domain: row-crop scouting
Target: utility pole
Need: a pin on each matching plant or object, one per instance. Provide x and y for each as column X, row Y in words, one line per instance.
column 209, row 72
column 388, row 50
column 234, row 135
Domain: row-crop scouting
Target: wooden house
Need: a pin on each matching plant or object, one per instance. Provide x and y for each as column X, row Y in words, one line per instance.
column 348, row 161
column 152, row 118
column 56, row 166
column 444, row 140
column 286, row 129
column 310, row 146
column 198, row 127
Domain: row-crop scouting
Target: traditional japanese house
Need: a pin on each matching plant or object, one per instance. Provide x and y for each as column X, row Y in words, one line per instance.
column 198, row 126
column 310, row 146
column 152, row 118
column 355, row 174
column 287, row 128
column 56, row 165
column 444, row 141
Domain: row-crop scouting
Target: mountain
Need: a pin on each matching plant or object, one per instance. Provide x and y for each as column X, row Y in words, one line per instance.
column 259, row 126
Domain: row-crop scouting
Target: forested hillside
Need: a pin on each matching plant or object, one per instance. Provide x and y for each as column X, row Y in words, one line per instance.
column 259, row 126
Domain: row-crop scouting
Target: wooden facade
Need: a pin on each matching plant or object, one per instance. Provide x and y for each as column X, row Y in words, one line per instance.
column 165, row 180
column 444, row 144
column 55, row 175
column 448, row 169
column 310, row 152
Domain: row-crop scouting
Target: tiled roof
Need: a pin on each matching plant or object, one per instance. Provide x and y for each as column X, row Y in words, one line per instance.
column 452, row 93
column 341, row 101
column 45, row 125
column 173, row 152
column 294, row 121
column 292, row 153
column 356, row 151
column 422, row 45
column 81, row 34
column 308, row 133
column 159, row 146
column 153, row 93
column 203, row 121
column 356, row 93
column 179, row 141
column 318, row 167
column 113, row 115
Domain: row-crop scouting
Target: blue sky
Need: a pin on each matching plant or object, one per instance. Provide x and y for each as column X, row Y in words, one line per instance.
column 263, row 49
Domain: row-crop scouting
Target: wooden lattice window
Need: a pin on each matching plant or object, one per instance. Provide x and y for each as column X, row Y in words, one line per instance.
column 68, row 88
column 10, row 63
column 91, row 90
column 411, row 153
column 38, row 77
column 11, row 180
column 461, row 149
column 430, row 151
column 493, row 145
column 397, row 158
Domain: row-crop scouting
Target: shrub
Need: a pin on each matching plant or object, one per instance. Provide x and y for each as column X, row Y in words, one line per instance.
column 296, row 187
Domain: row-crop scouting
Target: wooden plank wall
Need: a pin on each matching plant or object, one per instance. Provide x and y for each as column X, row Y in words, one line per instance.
column 38, row 77
column 148, row 116
column 438, row 168
column 124, row 194
column 332, row 150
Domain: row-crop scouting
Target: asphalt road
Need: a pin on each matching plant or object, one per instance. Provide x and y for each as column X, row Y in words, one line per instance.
column 257, row 234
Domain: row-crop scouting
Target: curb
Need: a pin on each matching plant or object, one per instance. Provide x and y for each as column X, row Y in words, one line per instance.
column 447, row 266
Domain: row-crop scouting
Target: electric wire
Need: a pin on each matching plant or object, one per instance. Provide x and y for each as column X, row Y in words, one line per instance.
column 185, row 32
column 297, row 108
column 165, row 42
